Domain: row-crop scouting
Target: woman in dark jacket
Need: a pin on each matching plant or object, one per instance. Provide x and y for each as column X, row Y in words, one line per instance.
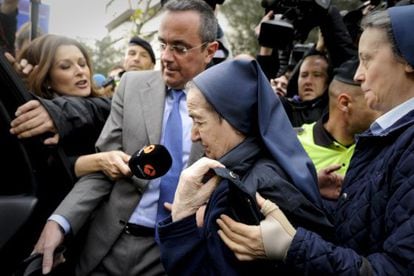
column 250, row 146
column 374, row 220
column 63, row 68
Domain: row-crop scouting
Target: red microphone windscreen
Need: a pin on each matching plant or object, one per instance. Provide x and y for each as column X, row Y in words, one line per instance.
column 150, row 162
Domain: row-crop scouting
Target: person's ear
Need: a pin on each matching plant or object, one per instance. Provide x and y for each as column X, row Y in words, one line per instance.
column 344, row 102
column 211, row 50
column 409, row 68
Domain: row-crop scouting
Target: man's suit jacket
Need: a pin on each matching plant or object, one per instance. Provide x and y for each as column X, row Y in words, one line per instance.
column 135, row 120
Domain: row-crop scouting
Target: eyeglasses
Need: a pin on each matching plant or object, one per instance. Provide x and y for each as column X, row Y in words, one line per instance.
column 179, row 50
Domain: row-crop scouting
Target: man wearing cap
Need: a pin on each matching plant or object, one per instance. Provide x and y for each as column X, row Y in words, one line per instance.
column 139, row 55
column 374, row 218
column 331, row 140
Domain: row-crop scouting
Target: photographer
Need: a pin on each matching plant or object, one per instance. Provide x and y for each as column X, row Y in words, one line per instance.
column 302, row 107
column 294, row 20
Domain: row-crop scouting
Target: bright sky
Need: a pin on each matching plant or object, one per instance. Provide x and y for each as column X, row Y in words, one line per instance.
column 85, row 19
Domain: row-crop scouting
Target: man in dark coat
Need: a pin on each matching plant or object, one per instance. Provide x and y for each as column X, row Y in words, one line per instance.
column 375, row 214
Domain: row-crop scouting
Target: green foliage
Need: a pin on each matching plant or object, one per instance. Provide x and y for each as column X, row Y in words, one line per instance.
column 147, row 10
column 104, row 55
column 242, row 17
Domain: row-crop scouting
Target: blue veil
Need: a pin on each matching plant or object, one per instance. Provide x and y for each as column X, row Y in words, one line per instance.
column 402, row 23
column 240, row 92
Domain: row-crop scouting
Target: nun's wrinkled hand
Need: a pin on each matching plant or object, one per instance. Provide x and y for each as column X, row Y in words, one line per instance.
column 270, row 240
column 191, row 192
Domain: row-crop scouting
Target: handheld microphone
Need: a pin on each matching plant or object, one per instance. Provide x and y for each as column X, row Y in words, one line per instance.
column 150, row 162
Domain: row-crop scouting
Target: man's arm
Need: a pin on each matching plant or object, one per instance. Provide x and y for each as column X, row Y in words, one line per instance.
column 32, row 119
column 75, row 115
column 63, row 116
column 92, row 188
column 82, row 200
column 75, row 209
column 50, row 238
column 337, row 39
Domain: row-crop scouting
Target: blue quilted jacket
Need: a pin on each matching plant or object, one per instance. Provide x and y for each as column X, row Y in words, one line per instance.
column 374, row 219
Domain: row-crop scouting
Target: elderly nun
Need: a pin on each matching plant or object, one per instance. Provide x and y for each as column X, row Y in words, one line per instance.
column 249, row 147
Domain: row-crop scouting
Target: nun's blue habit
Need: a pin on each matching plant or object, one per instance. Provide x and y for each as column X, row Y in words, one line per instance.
column 269, row 161
column 241, row 94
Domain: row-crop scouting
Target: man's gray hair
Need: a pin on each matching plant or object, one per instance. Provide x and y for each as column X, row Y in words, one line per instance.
column 208, row 24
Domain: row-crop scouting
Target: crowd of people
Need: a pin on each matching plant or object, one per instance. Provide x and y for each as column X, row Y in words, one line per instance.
column 300, row 169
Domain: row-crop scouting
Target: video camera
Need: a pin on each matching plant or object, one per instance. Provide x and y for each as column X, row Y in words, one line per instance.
column 297, row 18
column 113, row 81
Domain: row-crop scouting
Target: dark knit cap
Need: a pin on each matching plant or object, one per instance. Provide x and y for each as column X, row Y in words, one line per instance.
column 144, row 44
column 402, row 22
column 346, row 72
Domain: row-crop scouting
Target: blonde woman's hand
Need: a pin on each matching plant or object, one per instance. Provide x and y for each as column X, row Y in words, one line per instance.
column 113, row 164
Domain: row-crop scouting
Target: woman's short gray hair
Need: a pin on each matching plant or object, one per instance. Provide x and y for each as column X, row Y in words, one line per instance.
column 382, row 21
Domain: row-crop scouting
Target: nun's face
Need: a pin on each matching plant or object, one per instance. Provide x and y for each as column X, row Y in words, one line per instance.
column 215, row 134
column 382, row 76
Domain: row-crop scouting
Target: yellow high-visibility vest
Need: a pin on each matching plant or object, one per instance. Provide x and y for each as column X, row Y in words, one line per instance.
column 321, row 156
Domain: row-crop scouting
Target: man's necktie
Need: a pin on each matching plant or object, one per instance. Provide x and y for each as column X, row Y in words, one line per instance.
column 173, row 141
